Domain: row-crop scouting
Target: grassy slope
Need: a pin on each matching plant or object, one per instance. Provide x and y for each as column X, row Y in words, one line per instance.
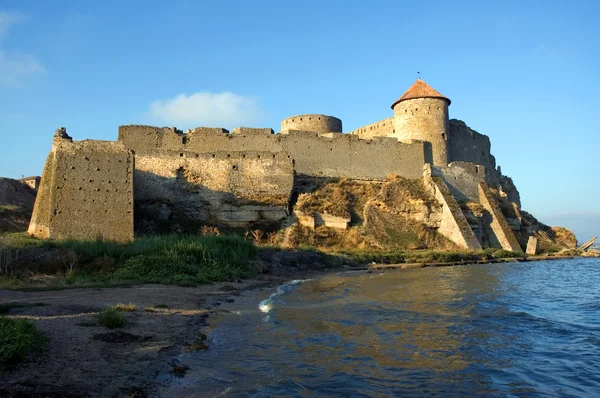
column 157, row 259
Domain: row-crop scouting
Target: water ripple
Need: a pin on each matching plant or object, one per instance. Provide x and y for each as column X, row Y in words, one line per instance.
column 483, row 330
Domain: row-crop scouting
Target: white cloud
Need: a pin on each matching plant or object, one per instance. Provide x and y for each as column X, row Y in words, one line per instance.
column 15, row 67
column 207, row 109
column 7, row 19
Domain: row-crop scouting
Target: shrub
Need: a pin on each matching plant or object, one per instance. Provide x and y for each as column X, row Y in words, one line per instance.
column 18, row 338
column 112, row 318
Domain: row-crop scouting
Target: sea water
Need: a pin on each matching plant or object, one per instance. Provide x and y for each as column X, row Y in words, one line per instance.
column 512, row 329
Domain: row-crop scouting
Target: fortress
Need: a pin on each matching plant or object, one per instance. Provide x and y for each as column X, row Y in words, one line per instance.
column 155, row 178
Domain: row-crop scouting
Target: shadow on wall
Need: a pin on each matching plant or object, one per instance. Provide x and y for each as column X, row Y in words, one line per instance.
column 167, row 204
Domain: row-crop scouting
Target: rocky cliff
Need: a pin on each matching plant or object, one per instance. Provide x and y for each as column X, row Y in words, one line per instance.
column 399, row 213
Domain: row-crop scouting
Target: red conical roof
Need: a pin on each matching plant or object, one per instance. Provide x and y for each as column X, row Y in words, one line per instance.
column 420, row 89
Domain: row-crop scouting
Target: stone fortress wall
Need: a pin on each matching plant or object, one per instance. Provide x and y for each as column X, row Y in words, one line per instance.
column 86, row 192
column 467, row 145
column 219, row 188
column 382, row 128
column 320, row 155
column 247, row 177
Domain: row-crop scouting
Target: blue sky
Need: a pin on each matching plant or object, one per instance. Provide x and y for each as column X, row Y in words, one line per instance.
column 525, row 73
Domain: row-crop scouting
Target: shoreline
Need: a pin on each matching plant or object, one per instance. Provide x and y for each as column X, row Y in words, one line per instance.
column 456, row 263
column 83, row 358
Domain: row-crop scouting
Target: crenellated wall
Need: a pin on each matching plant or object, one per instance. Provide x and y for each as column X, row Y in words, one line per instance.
column 201, row 139
column 381, row 128
column 319, row 155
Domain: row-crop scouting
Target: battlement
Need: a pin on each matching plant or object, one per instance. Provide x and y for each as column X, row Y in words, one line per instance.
column 383, row 127
column 230, row 155
column 329, row 154
column 207, row 131
column 252, row 131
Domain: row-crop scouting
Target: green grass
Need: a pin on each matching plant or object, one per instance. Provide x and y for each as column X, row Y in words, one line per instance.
column 171, row 259
column 18, row 338
column 112, row 318
column 9, row 208
column 20, row 240
column 186, row 260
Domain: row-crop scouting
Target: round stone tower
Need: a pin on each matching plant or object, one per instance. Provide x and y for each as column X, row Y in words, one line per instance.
column 316, row 123
column 422, row 114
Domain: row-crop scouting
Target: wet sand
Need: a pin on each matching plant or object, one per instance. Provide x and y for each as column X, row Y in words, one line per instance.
column 83, row 358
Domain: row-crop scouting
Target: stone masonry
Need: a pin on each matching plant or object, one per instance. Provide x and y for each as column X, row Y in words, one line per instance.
column 86, row 191
column 154, row 177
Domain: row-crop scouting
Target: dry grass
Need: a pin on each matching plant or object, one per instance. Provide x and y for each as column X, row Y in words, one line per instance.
column 9, row 208
column 380, row 215
column 125, row 307
column 156, row 308
column 391, row 231
column 331, row 199
column 327, row 239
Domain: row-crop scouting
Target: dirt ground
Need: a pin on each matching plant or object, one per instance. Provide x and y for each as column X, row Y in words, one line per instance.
column 83, row 358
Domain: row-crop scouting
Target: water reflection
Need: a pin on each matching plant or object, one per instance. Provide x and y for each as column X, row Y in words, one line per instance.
column 471, row 330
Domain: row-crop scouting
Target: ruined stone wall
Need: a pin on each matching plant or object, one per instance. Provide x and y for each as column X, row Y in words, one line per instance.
column 315, row 123
column 319, row 155
column 498, row 227
column 467, row 145
column 200, row 140
column 382, row 128
column 463, row 180
column 86, row 192
column 424, row 119
column 453, row 224
column 236, row 189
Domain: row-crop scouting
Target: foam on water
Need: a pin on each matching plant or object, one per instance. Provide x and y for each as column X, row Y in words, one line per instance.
column 267, row 304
